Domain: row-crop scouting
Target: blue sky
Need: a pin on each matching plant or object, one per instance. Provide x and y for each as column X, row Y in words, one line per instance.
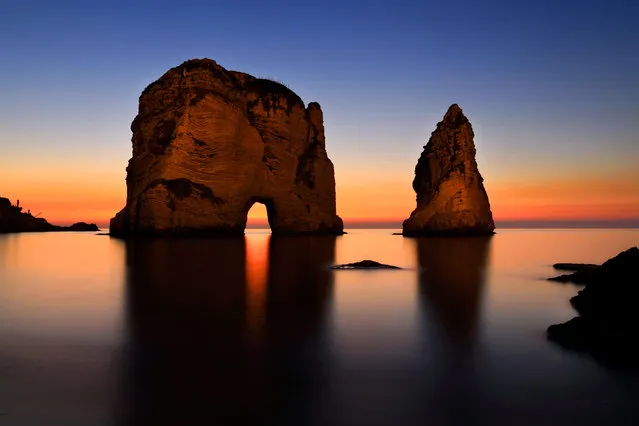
column 550, row 87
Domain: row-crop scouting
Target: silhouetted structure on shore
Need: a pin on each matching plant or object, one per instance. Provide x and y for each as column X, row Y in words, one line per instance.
column 13, row 220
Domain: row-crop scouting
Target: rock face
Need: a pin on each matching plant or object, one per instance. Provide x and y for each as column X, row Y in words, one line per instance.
column 209, row 143
column 451, row 198
column 608, row 326
column 14, row 220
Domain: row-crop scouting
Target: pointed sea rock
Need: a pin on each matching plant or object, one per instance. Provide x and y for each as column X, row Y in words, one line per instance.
column 451, row 199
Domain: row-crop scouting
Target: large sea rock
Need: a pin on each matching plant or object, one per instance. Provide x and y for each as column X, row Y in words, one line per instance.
column 208, row 143
column 451, row 199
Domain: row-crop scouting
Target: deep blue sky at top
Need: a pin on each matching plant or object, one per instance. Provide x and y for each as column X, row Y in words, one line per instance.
column 546, row 83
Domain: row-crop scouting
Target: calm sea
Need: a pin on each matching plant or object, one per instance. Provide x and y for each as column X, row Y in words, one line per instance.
column 96, row 331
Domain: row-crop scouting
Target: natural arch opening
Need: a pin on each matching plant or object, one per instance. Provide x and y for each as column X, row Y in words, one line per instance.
column 260, row 215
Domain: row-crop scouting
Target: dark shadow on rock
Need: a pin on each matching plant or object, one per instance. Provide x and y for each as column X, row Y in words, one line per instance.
column 451, row 282
column 195, row 353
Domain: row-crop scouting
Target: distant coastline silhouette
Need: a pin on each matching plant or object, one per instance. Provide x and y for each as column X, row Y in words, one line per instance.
column 14, row 220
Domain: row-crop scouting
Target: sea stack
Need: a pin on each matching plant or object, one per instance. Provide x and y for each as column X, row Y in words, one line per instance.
column 451, row 199
column 208, row 143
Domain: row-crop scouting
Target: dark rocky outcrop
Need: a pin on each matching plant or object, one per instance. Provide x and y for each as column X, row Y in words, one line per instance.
column 83, row 227
column 581, row 272
column 14, row 220
column 608, row 325
column 208, row 143
column 451, row 199
column 579, row 277
column 364, row 264
column 575, row 267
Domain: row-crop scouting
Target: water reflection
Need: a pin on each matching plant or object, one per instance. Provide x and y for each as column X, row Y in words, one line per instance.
column 256, row 277
column 299, row 285
column 209, row 343
column 451, row 282
column 233, row 331
column 299, row 294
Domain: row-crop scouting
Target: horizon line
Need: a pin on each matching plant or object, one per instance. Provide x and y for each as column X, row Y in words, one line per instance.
column 499, row 224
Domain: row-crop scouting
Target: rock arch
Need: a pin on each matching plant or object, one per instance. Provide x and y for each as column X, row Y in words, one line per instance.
column 208, row 143
column 271, row 212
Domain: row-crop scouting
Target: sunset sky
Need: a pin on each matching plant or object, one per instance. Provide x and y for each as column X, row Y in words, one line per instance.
column 550, row 88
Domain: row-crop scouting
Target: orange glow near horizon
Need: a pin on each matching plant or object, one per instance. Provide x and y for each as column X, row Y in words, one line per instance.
column 256, row 279
column 607, row 198
column 362, row 197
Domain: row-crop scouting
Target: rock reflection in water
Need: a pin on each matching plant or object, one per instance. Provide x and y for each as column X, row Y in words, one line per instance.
column 196, row 355
column 451, row 282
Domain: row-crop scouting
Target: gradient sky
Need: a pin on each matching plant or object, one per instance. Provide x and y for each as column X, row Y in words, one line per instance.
column 550, row 88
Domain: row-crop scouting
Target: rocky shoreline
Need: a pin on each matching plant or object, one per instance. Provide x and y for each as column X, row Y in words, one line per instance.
column 14, row 220
column 607, row 326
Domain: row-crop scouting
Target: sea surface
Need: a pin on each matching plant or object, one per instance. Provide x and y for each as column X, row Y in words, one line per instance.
column 98, row 331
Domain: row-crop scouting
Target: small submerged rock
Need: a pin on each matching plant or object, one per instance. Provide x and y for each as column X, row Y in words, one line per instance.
column 608, row 325
column 575, row 267
column 364, row 264
column 582, row 273
column 579, row 278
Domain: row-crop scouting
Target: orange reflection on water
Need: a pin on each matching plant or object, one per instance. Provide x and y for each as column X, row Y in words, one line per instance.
column 256, row 278
column 60, row 283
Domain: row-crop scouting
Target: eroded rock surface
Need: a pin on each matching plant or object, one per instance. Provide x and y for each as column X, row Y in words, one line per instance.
column 451, row 198
column 209, row 143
